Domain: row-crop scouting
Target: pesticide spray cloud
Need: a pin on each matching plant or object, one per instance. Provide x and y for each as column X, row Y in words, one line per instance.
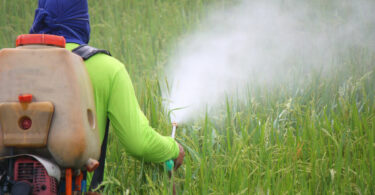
column 258, row 41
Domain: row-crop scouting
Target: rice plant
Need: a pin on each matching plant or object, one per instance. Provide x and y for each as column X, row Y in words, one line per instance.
column 315, row 138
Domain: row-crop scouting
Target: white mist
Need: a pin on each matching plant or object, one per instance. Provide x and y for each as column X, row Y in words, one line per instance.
column 257, row 41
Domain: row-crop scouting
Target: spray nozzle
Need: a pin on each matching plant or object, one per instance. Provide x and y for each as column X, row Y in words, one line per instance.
column 174, row 127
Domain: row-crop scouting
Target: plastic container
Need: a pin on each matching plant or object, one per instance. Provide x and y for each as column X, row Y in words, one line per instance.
column 61, row 109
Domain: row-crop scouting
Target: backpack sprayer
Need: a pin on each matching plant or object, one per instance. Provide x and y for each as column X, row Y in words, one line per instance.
column 48, row 132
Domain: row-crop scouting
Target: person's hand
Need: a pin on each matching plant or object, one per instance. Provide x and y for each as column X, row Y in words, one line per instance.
column 180, row 159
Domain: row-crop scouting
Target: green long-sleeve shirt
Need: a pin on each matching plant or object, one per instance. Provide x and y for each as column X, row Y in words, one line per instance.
column 115, row 98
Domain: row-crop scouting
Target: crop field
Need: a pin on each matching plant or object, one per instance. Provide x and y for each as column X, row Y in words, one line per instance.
column 310, row 137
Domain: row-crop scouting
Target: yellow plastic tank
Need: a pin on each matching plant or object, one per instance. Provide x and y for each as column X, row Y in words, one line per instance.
column 58, row 121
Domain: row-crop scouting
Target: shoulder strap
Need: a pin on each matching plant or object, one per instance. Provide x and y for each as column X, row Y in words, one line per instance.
column 97, row 178
column 86, row 51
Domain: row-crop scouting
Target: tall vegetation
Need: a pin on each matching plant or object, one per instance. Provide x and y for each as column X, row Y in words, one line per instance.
column 289, row 139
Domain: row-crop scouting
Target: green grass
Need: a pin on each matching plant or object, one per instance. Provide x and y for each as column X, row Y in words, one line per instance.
column 316, row 138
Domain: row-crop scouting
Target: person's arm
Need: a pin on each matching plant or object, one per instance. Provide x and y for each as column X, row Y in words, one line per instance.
column 132, row 127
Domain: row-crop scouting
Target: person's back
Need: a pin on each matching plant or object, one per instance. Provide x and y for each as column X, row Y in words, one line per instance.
column 115, row 99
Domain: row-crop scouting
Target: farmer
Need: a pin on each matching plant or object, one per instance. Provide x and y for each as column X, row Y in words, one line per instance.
column 114, row 95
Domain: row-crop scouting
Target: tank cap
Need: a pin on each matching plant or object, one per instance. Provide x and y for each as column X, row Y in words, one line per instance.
column 40, row 39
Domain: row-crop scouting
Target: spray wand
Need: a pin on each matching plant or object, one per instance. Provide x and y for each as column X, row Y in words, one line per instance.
column 170, row 164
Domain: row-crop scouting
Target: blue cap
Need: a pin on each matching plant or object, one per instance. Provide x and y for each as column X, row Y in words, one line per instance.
column 67, row 18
